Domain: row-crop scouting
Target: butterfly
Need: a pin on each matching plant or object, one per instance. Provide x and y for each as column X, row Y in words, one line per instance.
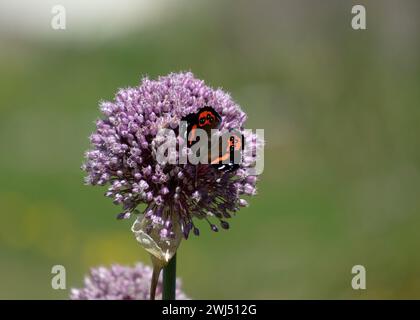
column 225, row 151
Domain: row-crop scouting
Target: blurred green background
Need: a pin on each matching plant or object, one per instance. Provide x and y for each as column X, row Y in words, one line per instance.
column 340, row 109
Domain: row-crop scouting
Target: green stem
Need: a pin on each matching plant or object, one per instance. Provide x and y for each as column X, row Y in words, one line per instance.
column 169, row 280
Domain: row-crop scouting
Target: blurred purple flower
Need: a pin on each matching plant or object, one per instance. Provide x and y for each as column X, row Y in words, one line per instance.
column 122, row 156
column 120, row 283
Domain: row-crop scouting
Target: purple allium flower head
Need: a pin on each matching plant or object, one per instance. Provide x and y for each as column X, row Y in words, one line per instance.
column 123, row 157
column 120, row 283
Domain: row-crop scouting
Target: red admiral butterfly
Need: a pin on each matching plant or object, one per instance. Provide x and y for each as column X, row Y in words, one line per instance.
column 229, row 146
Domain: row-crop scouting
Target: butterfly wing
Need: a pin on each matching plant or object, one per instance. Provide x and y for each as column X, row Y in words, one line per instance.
column 224, row 156
column 206, row 119
column 230, row 155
